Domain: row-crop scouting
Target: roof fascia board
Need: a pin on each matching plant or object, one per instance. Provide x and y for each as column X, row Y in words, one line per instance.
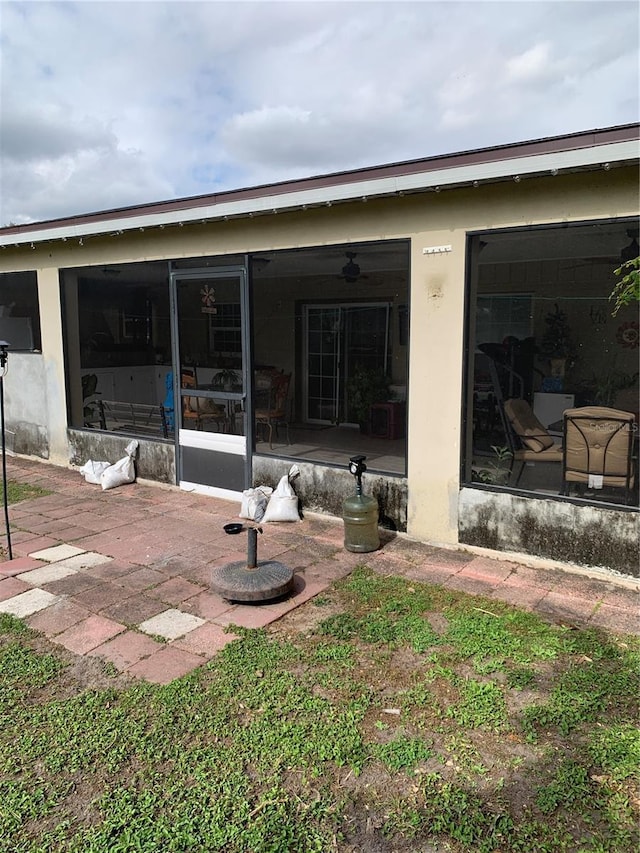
column 616, row 152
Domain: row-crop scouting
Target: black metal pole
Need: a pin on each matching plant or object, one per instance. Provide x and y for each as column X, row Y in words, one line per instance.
column 5, row 496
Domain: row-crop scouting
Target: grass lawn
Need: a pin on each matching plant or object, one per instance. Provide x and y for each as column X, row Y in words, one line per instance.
column 383, row 716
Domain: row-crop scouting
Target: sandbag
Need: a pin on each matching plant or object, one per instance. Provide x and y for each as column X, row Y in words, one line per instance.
column 121, row 472
column 254, row 502
column 283, row 503
column 92, row 471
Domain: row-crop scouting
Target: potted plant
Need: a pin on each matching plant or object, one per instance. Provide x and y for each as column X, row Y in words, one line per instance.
column 364, row 388
column 227, row 379
column 557, row 343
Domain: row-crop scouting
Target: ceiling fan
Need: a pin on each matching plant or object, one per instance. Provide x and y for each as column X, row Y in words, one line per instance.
column 351, row 270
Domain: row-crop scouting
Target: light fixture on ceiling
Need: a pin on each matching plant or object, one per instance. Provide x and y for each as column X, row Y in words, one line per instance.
column 631, row 251
column 351, row 270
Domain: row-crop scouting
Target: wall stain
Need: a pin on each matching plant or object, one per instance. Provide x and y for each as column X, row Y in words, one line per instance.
column 586, row 536
column 28, row 439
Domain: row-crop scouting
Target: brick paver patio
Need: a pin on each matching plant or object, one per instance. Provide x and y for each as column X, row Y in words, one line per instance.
column 124, row 575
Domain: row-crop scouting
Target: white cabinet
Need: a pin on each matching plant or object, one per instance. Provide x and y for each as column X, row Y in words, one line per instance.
column 549, row 408
column 137, row 384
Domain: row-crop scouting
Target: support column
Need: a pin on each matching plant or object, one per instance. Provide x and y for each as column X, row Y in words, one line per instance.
column 53, row 358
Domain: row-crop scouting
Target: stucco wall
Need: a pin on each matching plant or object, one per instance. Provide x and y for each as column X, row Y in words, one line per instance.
column 25, row 397
column 583, row 535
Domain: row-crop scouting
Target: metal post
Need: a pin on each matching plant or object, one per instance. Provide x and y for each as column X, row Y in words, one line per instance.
column 252, row 548
column 5, row 497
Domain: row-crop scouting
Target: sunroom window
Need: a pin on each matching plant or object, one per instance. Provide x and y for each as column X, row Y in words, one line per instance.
column 552, row 385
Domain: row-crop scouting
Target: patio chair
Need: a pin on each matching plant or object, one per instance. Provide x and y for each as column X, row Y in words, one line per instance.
column 201, row 411
column 272, row 390
column 528, row 440
column 598, row 449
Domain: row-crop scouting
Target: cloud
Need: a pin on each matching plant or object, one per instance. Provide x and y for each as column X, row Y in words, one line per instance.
column 107, row 104
column 50, row 132
column 534, row 64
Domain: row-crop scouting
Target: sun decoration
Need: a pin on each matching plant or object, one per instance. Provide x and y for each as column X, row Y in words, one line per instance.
column 628, row 335
column 208, row 296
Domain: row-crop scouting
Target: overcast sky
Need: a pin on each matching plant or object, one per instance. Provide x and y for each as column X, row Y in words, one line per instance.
column 107, row 104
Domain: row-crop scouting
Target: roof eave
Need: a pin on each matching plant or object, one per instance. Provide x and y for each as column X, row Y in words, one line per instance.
column 305, row 194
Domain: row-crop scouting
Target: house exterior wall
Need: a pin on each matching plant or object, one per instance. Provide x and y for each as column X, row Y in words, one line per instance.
column 437, row 297
column 26, row 413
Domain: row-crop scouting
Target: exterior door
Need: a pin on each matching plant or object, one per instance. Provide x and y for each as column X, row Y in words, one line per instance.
column 211, row 378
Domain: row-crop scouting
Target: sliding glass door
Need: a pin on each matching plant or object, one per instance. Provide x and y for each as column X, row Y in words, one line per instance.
column 339, row 339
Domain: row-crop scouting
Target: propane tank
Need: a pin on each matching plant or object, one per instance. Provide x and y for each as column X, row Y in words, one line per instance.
column 360, row 514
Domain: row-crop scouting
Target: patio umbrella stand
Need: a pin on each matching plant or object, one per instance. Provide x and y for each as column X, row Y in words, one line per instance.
column 250, row 580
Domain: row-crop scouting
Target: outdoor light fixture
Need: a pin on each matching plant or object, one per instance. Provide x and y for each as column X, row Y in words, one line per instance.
column 4, row 346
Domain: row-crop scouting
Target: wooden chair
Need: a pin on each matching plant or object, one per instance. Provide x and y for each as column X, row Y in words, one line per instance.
column 272, row 390
column 598, row 449
column 528, row 440
column 199, row 412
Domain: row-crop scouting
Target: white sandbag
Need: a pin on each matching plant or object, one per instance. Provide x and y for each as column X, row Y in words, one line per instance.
column 283, row 503
column 92, row 471
column 121, row 472
column 254, row 502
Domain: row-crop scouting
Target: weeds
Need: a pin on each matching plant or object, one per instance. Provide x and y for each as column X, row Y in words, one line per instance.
column 325, row 741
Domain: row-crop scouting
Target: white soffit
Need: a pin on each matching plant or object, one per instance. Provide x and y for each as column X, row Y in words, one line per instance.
column 615, row 152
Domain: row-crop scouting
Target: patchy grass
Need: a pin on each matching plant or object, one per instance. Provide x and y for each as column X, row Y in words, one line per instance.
column 17, row 492
column 408, row 718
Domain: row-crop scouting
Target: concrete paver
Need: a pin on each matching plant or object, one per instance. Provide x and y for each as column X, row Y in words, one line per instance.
column 140, row 558
column 56, row 552
column 57, row 617
column 171, row 624
column 18, row 565
column 81, row 562
column 205, row 640
column 165, row 665
column 10, row 587
column 127, row 649
column 25, row 603
column 89, row 634
column 46, row 574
